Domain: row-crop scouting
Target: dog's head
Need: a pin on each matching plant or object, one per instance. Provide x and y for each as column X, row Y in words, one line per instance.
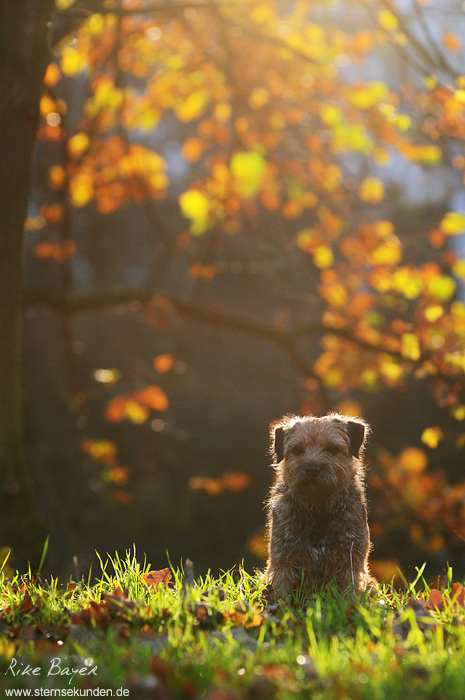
column 318, row 455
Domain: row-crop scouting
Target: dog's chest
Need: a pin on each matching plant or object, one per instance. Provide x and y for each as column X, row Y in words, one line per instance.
column 318, row 554
column 313, row 539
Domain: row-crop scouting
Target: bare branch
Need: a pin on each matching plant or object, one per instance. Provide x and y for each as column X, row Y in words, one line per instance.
column 171, row 7
column 289, row 339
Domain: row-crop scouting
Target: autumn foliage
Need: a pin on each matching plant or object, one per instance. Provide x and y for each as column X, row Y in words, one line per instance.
column 287, row 145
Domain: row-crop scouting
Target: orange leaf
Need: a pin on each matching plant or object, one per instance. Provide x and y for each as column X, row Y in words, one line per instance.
column 100, row 450
column 235, row 481
column 245, row 615
column 452, row 42
column 122, row 497
column 116, row 475
column 413, row 460
column 458, row 594
column 153, row 579
column 53, row 213
column 163, row 363
column 118, row 590
column 153, row 397
column 52, row 75
column 116, row 409
column 47, row 105
column 435, row 599
column 26, row 604
column 192, row 149
column 57, row 177
column 206, row 483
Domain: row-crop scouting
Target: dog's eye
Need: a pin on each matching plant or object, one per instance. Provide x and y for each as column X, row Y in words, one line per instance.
column 298, row 450
column 333, row 449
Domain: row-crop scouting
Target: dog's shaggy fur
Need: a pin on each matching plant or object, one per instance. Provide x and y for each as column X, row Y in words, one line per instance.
column 317, row 514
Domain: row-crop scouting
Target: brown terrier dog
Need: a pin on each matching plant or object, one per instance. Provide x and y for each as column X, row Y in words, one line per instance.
column 317, row 514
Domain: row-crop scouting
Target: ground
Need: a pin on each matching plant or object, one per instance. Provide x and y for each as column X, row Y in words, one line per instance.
column 160, row 634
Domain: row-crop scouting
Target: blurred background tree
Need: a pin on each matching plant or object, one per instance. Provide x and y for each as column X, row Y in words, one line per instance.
column 241, row 209
column 24, row 55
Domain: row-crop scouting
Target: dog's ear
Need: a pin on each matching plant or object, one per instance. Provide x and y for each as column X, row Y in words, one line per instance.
column 277, row 443
column 357, row 431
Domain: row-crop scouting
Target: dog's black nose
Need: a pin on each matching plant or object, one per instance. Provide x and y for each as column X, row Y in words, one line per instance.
column 311, row 470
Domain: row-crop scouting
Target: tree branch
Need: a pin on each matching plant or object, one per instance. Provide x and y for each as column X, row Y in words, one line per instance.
column 288, row 339
column 147, row 10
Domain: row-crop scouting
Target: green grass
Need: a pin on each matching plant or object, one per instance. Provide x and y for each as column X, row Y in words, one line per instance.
column 217, row 640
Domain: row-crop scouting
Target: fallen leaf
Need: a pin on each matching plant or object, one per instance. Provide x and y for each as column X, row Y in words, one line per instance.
column 435, row 600
column 153, row 579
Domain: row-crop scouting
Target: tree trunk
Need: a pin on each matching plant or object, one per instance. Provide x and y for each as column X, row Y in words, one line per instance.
column 24, row 55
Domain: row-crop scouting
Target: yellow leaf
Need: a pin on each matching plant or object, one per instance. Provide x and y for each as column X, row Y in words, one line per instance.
column 459, row 412
column 371, row 190
column 403, row 122
column 96, row 24
column 382, row 156
column 458, row 310
column 432, row 437
column 333, row 377
column 323, row 257
column 71, row 61
column 81, row 188
column 350, row 137
column 433, row 313
column 335, row 294
column 429, row 155
column 442, row 287
column 413, row 460
column 262, row 13
column 369, row 379
column 248, row 169
column 389, row 252
column 331, row 115
column 453, row 223
column 388, row 20
column 77, row 144
column 258, row 98
column 430, row 82
column 222, row 111
column 305, row 239
column 349, row 407
column 196, row 207
column 368, row 95
column 391, row 370
column 410, row 347
column 193, row 106
column 458, row 268
column 103, row 450
column 384, row 228
column 407, row 283
column 332, row 177
column 135, row 412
